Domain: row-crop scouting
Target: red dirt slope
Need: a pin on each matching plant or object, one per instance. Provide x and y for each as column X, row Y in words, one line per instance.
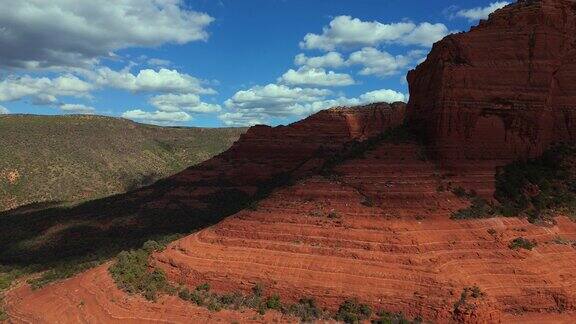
column 93, row 298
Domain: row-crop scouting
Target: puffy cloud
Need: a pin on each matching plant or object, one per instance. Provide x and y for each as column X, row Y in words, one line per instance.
column 259, row 104
column 345, row 31
column 425, row 34
column 273, row 98
column 315, row 78
column 383, row 95
column 77, row 108
column 43, row 90
column 63, row 33
column 4, row 110
column 148, row 80
column 178, row 102
column 329, row 60
column 240, row 119
column 481, row 12
column 382, row 63
column 157, row 117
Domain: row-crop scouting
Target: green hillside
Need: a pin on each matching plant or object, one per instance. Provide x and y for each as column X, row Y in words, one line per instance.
column 71, row 158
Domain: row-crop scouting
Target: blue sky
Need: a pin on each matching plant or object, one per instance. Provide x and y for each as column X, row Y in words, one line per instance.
column 214, row 63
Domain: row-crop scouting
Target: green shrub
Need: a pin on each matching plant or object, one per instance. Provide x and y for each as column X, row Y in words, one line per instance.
column 392, row 318
column 351, row 311
column 273, row 302
column 203, row 287
column 550, row 180
column 306, row 309
column 479, row 209
column 468, row 293
column 131, row 274
column 522, row 243
column 184, row 294
column 152, row 246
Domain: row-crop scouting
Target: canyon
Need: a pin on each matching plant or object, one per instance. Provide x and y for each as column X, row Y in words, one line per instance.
column 358, row 202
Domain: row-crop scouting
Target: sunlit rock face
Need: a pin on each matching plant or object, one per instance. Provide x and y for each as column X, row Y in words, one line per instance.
column 503, row 90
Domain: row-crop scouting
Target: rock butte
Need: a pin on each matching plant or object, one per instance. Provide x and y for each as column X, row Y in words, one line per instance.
column 505, row 89
column 378, row 229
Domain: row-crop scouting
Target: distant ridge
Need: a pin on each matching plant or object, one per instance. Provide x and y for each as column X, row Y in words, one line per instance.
column 79, row 157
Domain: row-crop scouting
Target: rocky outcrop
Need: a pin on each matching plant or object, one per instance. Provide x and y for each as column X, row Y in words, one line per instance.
column 503, row 90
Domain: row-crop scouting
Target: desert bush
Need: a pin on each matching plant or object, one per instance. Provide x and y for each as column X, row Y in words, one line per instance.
column 468, row 293
column 203, row 287
column 306, row 309
column 131, row 272
column 535, row 186
column 393, row 318
column 273, row 302
column 480, row 208
column 351, row 311
column 522, row 243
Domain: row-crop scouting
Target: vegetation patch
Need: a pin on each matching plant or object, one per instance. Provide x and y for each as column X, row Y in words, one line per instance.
column 522, row 243
column 92, row 157
column 351, row 311
column 480, row 208
column 467, row 300
column 132, row 273
column 539, row 187
column 394, row 318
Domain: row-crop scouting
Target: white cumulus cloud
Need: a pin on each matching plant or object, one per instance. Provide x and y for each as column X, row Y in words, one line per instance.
column 43, row 89
column 345, row 32
column 329, row 60
column 64, row 33
column 148, row 80
column 313, row 77
column 188, row 102
column 4, row 110
column 383, row 95
column 481, row 12
column 382, row 63
column 157, row 117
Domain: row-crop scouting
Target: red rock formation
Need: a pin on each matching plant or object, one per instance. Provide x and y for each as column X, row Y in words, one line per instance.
column 381, row 232
column 505, row 89
column 378, row 227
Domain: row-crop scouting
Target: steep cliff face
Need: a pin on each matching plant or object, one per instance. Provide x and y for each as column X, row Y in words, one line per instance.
column 503, row 90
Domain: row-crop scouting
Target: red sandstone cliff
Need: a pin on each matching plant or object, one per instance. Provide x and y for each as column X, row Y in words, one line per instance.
column 503, row 90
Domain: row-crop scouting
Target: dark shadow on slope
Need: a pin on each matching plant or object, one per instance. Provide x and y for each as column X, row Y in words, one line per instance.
column 73, row 238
